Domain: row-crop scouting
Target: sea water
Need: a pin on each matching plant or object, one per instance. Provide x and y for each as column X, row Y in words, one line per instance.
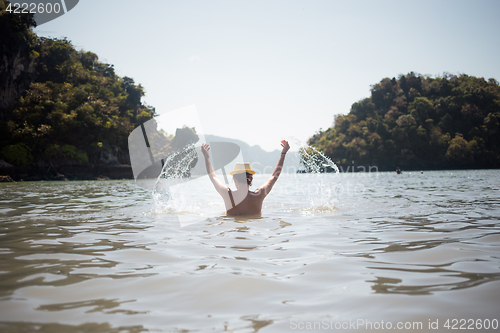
column 411, row 251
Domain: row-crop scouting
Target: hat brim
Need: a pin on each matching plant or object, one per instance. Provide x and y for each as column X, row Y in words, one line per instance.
column 242, row 171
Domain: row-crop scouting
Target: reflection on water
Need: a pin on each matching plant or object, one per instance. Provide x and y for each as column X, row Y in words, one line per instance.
column 95, row 256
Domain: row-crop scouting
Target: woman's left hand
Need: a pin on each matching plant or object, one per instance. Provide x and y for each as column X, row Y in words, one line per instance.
column 285, row 146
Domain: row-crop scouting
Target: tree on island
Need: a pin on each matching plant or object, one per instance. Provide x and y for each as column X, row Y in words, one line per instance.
column 419, row 122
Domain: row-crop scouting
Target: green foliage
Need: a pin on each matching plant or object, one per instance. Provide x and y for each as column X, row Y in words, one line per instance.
column 70, row 151
column 74, row 106
column 52, row 150
column 459, row 151
column 406, row 120
column 418, row 121
column 19, row 154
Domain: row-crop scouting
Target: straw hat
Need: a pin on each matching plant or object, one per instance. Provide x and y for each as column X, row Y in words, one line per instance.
column 242, row 168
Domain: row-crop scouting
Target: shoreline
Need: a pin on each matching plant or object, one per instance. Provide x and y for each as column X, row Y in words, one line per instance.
column 66, row 173
column 107, row 172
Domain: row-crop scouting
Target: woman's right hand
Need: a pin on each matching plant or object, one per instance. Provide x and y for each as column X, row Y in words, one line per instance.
column 204, row 149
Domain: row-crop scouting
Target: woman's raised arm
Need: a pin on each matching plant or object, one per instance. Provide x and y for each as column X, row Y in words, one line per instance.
column 210, row 170
column 266, row 188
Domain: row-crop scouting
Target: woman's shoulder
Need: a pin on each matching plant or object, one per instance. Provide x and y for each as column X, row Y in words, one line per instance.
column 256, row 193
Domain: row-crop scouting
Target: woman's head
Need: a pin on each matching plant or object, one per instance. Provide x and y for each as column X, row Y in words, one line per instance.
column 242, row 174
column 243, row 178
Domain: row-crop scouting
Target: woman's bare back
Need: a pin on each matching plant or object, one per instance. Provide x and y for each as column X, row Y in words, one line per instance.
column 250, row 205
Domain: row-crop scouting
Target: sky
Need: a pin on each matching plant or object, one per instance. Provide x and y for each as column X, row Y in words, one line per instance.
column 260, row 71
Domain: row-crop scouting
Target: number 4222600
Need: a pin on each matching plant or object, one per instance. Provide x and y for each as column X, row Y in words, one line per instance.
column 33, row 8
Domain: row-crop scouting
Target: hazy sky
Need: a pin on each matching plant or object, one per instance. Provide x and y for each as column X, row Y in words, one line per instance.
column 259, row 71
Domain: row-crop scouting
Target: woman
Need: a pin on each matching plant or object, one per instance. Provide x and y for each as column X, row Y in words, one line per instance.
column 243, row 201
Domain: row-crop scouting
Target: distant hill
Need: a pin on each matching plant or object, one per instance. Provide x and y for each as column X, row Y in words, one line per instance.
column 262, row 161
column 418, row 122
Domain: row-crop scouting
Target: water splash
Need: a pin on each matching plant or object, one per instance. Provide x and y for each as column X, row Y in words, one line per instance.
column 168, row 197
column 315, row 161
column 179, row 163
column 310, row 159
column 321, row 194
